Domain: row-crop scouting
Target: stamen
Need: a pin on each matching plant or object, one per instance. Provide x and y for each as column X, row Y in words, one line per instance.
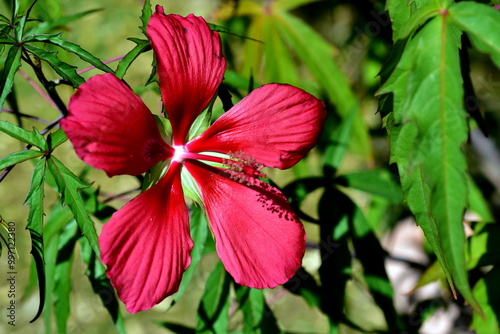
column 242, row 167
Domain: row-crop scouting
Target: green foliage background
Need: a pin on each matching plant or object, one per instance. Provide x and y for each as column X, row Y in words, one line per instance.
column 412, row 92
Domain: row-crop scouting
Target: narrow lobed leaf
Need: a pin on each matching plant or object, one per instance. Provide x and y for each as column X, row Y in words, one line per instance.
column 33, row 138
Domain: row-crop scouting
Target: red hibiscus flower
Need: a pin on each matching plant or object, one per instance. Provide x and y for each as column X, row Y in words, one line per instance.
column 146, row 244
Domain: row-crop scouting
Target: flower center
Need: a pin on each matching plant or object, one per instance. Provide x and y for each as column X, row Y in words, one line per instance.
column 240, row 166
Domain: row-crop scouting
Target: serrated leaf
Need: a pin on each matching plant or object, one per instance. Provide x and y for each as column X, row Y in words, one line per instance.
column 35, row 227
column 18, row 157
column 481, row 23
column 11, row 65
column 145, row 16
column 199, row 232
column 141, row 47
column 66, row 71
column 55, row 39
column 429, row 112
column 69, row 185
column 33, row 138
column 213, row 316
column 407, row 16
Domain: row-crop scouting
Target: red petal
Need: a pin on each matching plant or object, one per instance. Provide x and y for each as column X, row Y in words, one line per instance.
column 190, row 66
column 112, row 129
column 146, row 245
column 276, row 124
column 258, row 237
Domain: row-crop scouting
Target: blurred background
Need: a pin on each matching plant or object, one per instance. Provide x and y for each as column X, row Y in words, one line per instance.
column 332, row 49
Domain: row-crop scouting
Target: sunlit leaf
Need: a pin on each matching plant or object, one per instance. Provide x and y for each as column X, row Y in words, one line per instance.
column 481, row 23
column 141, row 47
column 487, row 293
column 18, row 157
column 376, row 182
column 426, row 139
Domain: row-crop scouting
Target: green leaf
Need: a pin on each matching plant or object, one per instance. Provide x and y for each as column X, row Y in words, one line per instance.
column 11, row 65
column 101, row 285
column 257, row 317
column 213, row 311
column 55, row 39
column 33, row 138
column 372, row 256
column 68, row 185
column 66, row 71
column 376, row 182
column 339, row 143
column 199, row 232
column 481, row 23
column 431, row 128
column 142, row 46
column 407, row 16
column 291, row 4
column 35, row 227
column 317, row 55
column 18, row 157
column 487, row 293
column 146, row 15
column 62, row 275
column 48, row 26
column 55, row 139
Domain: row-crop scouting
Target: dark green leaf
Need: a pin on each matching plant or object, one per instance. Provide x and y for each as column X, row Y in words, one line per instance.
column 66, row 71
column 33, row 138
column 101, row 285
column 18, row 157
column 257, row 317
column 69, row 185
column 372, row 256
column 199, row 232
column 176, row 328
column 124, row 64
column 213, row 311
column 56, row 39
column 481, row 23
column 339, row 143
column 62, row 274
column 12, row 63
column 35, row 227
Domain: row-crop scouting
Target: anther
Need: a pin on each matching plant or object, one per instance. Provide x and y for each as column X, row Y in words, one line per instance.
column 242, row 167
